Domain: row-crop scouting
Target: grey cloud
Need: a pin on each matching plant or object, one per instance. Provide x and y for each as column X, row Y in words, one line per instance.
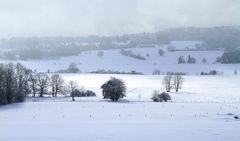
column 111, row 17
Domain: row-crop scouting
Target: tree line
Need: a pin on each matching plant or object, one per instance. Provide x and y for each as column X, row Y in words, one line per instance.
column 14, row 84
column 17, row 82
column 229, row 57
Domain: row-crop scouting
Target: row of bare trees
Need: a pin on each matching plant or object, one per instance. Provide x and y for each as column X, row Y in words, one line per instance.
column 172, row 82
column 40, row 83
column 17, row 82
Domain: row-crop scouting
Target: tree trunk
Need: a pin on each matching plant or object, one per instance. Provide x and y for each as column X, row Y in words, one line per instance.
column 53, row 91
column 41, row 93
column 33, row 89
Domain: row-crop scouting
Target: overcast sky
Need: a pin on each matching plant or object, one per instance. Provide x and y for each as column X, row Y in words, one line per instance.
column 111, row 17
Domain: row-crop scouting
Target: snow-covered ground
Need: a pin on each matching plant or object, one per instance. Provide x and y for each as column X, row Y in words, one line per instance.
column 203, row 110
column 88, row 61
column 106, row 121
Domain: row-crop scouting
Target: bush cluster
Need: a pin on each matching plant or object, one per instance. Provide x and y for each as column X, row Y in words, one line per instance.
column 131, row 54
column 81, row 93
column 160, row 97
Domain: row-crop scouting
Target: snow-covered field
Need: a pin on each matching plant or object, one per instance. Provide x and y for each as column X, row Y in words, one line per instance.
column 220, row 88
column 89, row 61
column 203, row 110
column 84, row 121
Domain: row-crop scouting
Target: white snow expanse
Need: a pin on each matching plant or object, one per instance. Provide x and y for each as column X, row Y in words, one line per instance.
column 204, row 110
column 88, row 61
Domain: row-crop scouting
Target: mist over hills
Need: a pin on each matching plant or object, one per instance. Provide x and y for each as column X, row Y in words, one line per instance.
column 23, row 48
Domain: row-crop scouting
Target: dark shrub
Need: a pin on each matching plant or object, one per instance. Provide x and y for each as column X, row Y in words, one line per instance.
column 102, row 71
column 131, row 54
column 161, row 52
column 157, row 97
column 3, row 99
column 81, row 93
column 212, row 72
column 204, row 60
column 20, row 98
column 156, row 72
column 191, row 60
column 73, row 68
column 181, row 60
column 90, row 93
column 100, row 53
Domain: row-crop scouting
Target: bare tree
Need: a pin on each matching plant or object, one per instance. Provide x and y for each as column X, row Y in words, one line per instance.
column 42, row 82
column 22, row 76
column 3, row 99
column 33, row 83
column 72, row 86
column 57, row 84
column 10, row 79
column 167, row 82
column 177, row 82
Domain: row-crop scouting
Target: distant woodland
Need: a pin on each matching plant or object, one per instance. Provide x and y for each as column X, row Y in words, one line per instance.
column 25, row 48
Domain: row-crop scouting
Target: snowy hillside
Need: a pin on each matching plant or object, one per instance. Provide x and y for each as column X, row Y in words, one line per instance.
column 89, row 61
